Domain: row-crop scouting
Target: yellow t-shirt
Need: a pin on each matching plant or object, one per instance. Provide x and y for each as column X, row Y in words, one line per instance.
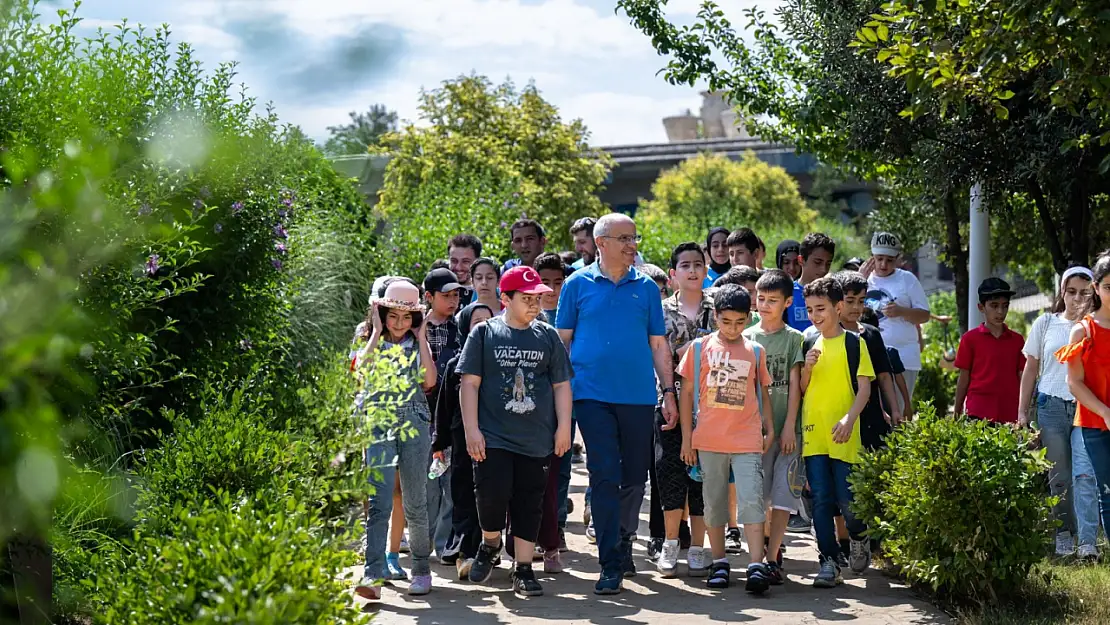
column 830, row 397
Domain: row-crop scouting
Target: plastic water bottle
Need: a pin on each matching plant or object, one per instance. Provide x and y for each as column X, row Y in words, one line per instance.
column 439, row 467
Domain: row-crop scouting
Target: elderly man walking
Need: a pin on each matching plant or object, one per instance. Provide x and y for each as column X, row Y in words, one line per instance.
column 611, row 318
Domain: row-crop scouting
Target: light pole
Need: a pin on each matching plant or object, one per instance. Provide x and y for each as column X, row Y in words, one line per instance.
column 979, row 253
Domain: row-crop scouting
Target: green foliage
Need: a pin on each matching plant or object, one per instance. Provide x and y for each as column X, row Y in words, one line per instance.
column 960, row 506
column 365, row 130
column 504, row 137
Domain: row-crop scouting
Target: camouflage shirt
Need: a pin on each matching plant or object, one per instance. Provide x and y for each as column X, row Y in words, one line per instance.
column 682, row 330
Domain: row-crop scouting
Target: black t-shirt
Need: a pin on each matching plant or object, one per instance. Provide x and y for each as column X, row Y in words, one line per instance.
column 873, row 427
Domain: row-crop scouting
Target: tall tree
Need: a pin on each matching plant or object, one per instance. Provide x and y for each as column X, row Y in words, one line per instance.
column 365, row 130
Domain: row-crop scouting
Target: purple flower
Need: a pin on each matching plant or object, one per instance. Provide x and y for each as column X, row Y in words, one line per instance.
column 218, row 228
column 144, row 209
column 276, row 263
column 152, row 264
column 416, row 265
column 288, row 202
column 236, row 208
column 506, row 203
column 504, row 224
column 198, row 204
column 245, row 344
column 280, row 247
column 279, row 231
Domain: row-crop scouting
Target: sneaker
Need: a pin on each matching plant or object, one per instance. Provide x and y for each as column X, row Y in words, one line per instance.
column 369, row 589
column 775, row 575
column 718, row 576
column 668, row 559
column 1088, row 554
column 591, row 535
column 860, row 556
column 394, row 572
column 404, row 543
column 842, row 560
column 697, row 562
column 608, row 584
column 462, row 567
column 552, row 561
column 684, row 535
column 563, row 540
column 734, row 540
column 448, row 559
column 587, row 516
column 759, row 580
column 421, row 585
column 654, row 548
column 829, row 575
column 576, row 454
column 450, row 553
column 628, row 565
column 537, row 553
column 798, row 525
column 1065, row 545
column 524, row 581
column 482, row 568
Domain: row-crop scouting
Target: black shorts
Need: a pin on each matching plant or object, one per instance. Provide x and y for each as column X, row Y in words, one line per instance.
column 514, row 484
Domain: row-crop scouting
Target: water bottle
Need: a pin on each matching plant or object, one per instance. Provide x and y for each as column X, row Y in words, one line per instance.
column 439, row 467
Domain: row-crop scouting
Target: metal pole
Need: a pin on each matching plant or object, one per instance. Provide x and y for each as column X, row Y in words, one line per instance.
column 979, row 253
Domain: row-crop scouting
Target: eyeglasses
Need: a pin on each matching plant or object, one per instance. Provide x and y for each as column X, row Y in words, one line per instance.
column 627, row 239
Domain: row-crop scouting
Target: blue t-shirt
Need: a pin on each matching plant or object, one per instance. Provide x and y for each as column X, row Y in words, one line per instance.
column 710, row 277
column 610, row 352
column 509, row 264
column 796, row 315
column 578, row 264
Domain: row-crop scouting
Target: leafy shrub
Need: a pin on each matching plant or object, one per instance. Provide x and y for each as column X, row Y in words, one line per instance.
column 961, row 506
column 231, row 562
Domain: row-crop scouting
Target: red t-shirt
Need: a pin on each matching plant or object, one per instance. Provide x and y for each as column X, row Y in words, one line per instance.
column 995, row 365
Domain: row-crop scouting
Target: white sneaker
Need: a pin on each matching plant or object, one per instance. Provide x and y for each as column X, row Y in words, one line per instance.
column 697, row 562
column 1065, row 546
column 860, row 558
column 668, row 559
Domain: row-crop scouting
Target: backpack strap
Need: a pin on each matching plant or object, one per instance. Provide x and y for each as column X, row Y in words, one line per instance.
column 758, row 350
column 852, row 348
column 697, row 377
column 809, row 341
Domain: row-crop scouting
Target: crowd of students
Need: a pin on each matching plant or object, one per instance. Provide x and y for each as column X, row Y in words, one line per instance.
column 746, row 394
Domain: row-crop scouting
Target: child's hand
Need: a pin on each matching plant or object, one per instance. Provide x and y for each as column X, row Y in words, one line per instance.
column 768, row 441
column 476, row 444
column 439, row 455
column 689, row 456
column 376, row 318
column 789, row 441
column 812, row 357
column 562, row 441
column 842, row 431
column 422, row 331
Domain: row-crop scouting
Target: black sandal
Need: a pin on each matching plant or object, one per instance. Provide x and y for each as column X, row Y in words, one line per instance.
column 718, row 576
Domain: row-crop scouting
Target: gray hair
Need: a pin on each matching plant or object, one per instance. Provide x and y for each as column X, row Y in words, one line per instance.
column 601, row 228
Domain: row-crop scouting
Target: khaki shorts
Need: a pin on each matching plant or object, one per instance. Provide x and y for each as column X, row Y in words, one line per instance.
column 748, row 471
column 784, row 479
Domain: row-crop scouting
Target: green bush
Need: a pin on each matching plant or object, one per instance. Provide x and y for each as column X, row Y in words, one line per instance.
column 961, row 506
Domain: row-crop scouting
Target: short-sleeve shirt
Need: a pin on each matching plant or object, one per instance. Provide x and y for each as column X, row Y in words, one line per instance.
column 829, row 397
column 995, row 365
column 518, row 367
column 612, row 323
column 904, row 289
column 797, row 316
column 711, row 276
column 728, row 407
column 1049, row 333
column 784, row 352
column 681, row 330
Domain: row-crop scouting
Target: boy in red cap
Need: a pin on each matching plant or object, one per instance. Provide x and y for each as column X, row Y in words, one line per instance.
column 516, row 405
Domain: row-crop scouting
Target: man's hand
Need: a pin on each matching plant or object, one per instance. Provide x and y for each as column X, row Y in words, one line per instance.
column 562, row 441
column 689, row 456
column 842, row 431
column 788, row 441
column 812, row 357
column 670, row 411
column 476, row 444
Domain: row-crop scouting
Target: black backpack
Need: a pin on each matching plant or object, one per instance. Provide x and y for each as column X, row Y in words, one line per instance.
column 851, row 346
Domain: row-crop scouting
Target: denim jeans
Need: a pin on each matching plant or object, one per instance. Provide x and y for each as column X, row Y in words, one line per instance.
column 1054, row 416
column 618, row 440
column 439, row 510
column 389, row 456
column 1097, row 443
column 828, row 481
column 1084, row 490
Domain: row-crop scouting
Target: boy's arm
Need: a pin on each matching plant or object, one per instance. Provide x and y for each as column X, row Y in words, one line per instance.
column 686, row 420
column 905, row 391
column 886, row 385
column 768, row 419
column 793, row 403
column 468, row 395
column 842, row 431
column 961, row 392
column 563, row 404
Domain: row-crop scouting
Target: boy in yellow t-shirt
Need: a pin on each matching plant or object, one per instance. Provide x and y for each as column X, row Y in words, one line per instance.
column 830, row 426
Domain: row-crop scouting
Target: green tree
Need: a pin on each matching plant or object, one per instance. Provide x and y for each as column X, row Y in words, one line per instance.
column 476, row 130
column 365, row 130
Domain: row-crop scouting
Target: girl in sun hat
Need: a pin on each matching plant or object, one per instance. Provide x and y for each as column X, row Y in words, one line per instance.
column 398, row 330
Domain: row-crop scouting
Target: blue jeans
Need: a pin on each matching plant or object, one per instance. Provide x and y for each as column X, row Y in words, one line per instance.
column 1097, row 443
column 618, row 439
column 1084, row 490
column 828, row 481
column 389, row 456
column 1054, row 416
column 439, row 510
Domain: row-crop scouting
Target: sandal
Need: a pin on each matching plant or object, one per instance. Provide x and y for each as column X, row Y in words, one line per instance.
column 718, row 576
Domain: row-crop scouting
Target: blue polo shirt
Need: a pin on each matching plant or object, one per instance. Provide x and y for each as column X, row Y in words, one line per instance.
column 796, row 315
column 610, row 353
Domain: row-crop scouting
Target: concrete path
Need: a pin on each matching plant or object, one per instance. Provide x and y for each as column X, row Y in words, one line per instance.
column 870, row 599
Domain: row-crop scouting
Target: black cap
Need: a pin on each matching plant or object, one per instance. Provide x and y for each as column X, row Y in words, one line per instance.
column 853, row 263
column 441, row 281
column 994, row 287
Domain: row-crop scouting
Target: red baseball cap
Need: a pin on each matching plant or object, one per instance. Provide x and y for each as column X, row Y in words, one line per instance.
column 523, row 279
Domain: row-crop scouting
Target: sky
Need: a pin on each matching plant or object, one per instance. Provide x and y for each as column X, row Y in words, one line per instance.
column 316, row 60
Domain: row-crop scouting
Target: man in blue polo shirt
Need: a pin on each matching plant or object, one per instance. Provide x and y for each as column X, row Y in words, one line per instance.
column 611, row 318
column 816, row 254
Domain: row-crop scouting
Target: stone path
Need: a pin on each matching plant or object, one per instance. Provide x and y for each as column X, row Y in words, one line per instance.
column 870, row 599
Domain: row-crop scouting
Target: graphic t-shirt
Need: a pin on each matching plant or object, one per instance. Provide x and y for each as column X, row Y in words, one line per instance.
column 516, row 404
column 728, row 411
column 904, row 289
column 784, row 351
column 829, row 397
column 797, row 316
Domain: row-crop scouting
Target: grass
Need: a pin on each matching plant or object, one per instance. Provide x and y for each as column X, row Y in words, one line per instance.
column 1052, row 594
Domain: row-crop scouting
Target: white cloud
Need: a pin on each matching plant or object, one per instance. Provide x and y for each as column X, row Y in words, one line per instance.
column 621, row 118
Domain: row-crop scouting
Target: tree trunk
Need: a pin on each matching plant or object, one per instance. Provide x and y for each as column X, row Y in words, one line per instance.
column 29, row 562
column 956, row 256
column 1055, row 248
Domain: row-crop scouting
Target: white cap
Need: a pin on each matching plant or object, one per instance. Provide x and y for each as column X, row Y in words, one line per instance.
column 885, row 244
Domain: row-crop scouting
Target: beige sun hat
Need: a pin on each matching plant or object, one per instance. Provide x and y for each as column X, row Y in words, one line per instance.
column 402, row 295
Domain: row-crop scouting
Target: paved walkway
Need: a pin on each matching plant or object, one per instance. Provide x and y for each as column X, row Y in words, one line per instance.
column 870, row 599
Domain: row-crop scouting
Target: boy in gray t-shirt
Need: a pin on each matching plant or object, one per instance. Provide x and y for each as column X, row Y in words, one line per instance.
column 516, row 404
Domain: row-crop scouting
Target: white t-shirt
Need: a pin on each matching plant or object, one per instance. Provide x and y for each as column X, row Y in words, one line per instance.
column 902, row 288
column 1053, row 373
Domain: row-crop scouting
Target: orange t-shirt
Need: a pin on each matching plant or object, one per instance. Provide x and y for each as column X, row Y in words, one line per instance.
column 728, row 419
column 1095, row 352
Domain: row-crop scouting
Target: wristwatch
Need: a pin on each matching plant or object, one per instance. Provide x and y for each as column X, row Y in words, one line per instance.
column 670, row 389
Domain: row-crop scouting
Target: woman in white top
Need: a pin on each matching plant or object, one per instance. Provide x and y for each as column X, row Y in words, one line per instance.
column 1056, row 413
